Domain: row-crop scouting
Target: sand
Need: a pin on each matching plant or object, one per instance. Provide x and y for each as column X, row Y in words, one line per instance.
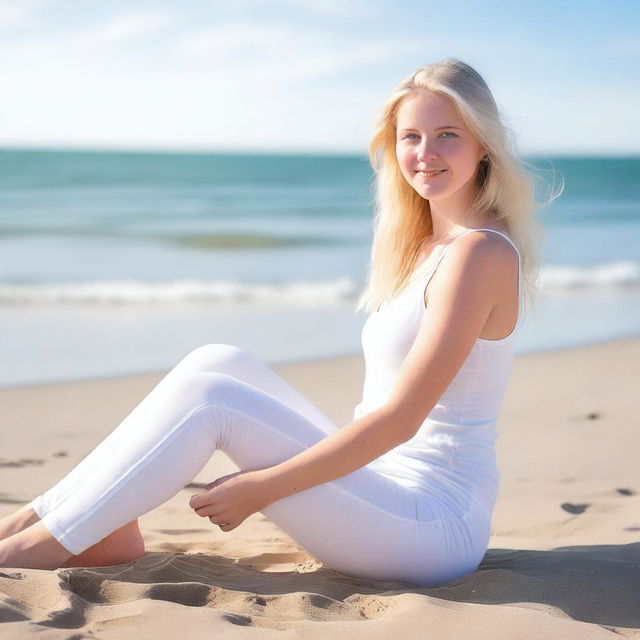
column 563, row 559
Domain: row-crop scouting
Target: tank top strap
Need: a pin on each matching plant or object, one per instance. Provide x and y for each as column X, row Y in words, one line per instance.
column 504, row 235
column 435, row 266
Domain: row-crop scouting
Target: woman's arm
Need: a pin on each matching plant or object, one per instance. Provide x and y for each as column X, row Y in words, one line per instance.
column 477, row 270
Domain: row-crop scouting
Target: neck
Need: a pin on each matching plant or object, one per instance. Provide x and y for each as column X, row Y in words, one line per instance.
column 444, row 227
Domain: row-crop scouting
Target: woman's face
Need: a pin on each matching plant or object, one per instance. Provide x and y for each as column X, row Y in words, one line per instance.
column 431, row 136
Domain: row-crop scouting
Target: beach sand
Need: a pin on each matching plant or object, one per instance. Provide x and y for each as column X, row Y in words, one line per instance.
column 563, row 559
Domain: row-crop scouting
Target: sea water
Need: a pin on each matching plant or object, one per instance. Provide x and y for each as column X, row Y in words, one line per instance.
column 121, row 262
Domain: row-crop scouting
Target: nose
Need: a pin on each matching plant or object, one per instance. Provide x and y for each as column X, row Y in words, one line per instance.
column 426, row 150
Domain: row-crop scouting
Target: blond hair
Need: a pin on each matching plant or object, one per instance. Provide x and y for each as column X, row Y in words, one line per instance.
column 502, row 186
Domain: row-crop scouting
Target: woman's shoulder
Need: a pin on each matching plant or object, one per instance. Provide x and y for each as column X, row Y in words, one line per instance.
column 482, row 245
column 483, row 259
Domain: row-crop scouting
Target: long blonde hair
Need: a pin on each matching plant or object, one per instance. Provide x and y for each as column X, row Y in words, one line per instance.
column 502, row 186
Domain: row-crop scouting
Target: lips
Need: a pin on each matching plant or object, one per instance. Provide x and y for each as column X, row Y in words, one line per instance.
column 431, row 172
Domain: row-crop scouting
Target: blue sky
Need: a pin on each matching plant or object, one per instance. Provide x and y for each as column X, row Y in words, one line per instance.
column 308, row 75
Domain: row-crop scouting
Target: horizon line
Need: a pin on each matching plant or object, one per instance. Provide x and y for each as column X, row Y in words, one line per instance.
column 193, row 150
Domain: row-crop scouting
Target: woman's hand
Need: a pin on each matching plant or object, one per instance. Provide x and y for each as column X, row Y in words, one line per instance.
column 229, row 500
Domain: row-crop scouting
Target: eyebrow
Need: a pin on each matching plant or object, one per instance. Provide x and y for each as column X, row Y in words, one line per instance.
column 448, row 126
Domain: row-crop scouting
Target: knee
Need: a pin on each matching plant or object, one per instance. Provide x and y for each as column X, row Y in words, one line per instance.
column 213, row 357
column 197, row 388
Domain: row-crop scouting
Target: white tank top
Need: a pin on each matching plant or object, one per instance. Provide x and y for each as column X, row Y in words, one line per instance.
column 452, row 456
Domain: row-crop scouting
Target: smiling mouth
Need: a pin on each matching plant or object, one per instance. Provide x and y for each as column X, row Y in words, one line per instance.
column 430, row 174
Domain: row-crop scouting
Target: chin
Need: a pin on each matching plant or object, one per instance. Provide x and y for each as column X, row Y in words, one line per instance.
column 430, row 194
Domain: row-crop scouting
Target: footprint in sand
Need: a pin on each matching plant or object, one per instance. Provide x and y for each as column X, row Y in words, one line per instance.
column 575, row 508
column 23, row 462
column 196, row 485
column 593, row 415
column 12, row 576
column 236, row 618
column 178, row 532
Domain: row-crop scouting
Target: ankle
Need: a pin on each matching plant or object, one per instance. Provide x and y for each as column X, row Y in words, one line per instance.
column 32, row 548
column 18, row 521
column 121, row 546
column 27, row 516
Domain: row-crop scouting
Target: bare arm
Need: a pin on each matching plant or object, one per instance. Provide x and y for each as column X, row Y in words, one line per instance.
column 462, row 294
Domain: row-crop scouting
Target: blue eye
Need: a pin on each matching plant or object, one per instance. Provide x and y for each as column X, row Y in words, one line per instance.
column 415, row 135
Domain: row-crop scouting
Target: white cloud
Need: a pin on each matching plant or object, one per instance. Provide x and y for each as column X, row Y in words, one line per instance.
column 129, row 26
column 136, row 79
column 120, row 29
column 282, row 53
column 231, row 42
column 574, row 119
column 332, row 8
column 14, row 13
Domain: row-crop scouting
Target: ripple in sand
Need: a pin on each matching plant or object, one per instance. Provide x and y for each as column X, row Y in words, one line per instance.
column 12, row 611
column 222, row 584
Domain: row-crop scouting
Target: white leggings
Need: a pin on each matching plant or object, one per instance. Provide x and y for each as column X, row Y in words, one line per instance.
column 218, row 397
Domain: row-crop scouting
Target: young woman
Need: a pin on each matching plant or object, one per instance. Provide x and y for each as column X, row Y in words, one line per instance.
column 406, row 490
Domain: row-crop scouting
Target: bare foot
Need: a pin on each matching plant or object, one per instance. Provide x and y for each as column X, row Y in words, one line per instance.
column 123, row 545
column 32, row 548
column 30, row 545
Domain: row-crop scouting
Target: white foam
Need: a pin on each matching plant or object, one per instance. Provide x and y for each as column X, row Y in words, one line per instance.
column 133, row 292
column 624, row 274
column 553, row 278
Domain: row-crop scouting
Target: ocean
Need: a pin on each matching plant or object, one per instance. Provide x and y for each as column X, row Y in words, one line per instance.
column 114, row 263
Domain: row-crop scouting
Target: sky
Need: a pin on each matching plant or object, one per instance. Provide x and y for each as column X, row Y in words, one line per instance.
column 308, row 75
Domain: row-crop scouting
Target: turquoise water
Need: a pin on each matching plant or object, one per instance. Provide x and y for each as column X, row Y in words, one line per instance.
column 114, row 262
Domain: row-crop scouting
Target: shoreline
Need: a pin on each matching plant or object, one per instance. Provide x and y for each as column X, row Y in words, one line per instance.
column 158, row 373
column 277, row 364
